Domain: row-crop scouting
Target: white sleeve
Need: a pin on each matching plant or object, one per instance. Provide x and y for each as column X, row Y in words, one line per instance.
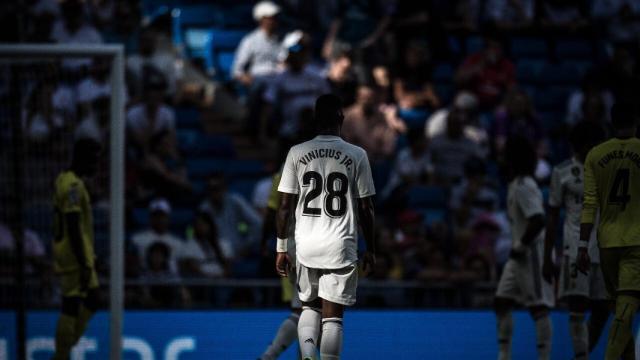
column 241, row 58
column 289, row 180
column 529, row 200
column 363, row 180
column 555, row 190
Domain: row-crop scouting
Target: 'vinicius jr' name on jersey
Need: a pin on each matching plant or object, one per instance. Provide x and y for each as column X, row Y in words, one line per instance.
column 326, row 153
column 619, row 154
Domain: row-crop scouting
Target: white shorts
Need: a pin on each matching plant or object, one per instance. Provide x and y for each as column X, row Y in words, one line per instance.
column 335, row 285
column 522, row 282
column 576, row 283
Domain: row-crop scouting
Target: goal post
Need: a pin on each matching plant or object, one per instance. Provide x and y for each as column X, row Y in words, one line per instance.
column 15, row 53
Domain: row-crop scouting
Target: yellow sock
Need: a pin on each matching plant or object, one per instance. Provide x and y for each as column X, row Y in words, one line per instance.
column 84, row 315
column 65, row 336
column 620, row 332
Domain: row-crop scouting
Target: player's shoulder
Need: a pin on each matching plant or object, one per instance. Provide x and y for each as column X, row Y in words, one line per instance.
column 67, row 180
column 563, row 166
column 524, row 183
column 356, row 151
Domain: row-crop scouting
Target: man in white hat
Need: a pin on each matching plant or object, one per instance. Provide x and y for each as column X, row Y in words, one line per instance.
column 257, row 54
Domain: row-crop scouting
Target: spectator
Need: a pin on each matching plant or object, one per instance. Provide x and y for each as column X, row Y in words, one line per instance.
column 239, row 225
column 152, row 116
column 412, row 165
column 382, row 83
column 412, row 86
column 341, row 77
column 621, row 18
column 367, row 126
column 126, row 30
column 561, row 16
column 202, row 255
column 158, row 232
column 72, row 28
column 467, row 104
column 473, row 196
column 97, row 85
column 147, row 60
column 450, row 151
column 164, row 290
column 517, row 117
column 34, row 252
column 591, row 87
column 293, row 90
column 163, row 170
column 50, row 108
column 257, row 54
column 510, row 15
column 488, row 73
column 95, row 124
column 359, row 25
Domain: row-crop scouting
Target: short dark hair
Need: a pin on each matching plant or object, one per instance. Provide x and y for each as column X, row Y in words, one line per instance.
column 586, row 134
column 520, row 156
column 328, row 111
column 624, row 115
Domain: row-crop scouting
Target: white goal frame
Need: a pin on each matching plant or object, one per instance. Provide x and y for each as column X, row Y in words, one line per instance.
column 116, row 171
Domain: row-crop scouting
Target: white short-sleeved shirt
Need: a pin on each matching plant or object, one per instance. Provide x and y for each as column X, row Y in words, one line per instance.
column 327, row 173
column 138, row 120
column 567, row 187
column 524, row 200
column 86, row 34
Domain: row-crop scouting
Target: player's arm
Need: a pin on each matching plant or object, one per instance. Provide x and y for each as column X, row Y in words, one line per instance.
column 588, row 215
column 366, row 218
column 77, row 246
column 535, row 224
column 283, row 216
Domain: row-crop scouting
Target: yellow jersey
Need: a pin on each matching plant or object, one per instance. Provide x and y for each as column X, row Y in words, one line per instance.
column 71, row 196
column 612, row 185
column 274, row 196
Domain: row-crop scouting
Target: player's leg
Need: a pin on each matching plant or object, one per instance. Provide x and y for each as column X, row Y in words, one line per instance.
column 337, row 288
column 600, row 306
column 332, row 315
column 507, row 293
column 288, row 330
column 66, row 336
column 541, row 298
column 311, row 315
column 544, row 330
column 88, row 306
column 627, row 296
column 578, row 306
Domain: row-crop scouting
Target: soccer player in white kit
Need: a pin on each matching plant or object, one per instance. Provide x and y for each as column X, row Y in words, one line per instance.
column 329, row 183
column 582, row 291
column 521, row 279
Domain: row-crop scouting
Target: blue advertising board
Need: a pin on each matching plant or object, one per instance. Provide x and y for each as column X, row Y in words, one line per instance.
column 234, row 334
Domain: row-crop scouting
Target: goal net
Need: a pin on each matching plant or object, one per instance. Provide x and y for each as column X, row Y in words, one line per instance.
column 50, row 96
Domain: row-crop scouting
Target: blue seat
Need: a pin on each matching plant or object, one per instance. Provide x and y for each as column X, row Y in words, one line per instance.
column 238, row 17
column 529, row 47
column 563, row 73
column 443, row 73
column 140, row 217
column 427, row 197
column 553, row 98
column 445, row 91
column 187, row 140
column 414, row 118
column 220, row 146
column 431, row 216
column 529, row 70
column 200, row 168
column 380, row 171
column 473, row 44
column 574, row 48
column 187, row 117
column 220, row 50
column 200, row 16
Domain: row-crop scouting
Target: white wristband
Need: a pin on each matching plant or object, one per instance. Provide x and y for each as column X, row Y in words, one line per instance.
column 281, row 245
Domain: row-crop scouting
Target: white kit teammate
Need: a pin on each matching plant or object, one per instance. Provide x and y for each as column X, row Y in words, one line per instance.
column 581, row 291
column 329, row 182
column 521, row 279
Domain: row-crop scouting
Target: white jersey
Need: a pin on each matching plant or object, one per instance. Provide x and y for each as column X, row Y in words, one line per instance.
column 567, row 186
column 524, row 201
column 327, row 174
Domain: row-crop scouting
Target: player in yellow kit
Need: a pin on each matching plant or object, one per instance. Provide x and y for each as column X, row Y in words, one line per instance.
column 612, row 187
column 74, row 257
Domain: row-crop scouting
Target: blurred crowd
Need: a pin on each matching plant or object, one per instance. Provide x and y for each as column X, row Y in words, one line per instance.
column 432, row 90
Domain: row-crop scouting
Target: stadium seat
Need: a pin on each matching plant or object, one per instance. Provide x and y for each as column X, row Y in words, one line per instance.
column 239, row 16
column 192, row 17
column 529, row 70
column 473, row 44
column 187, row 118
column 552, row 98
column 414, row 118
column 562, row 73
column 445, row 91
column 203, row 167
column 427, row 197
column 213, row 146
column 219, row 51
column 443, row 73
column 431, row 216
column 243, row 187
column 574, row 48
column 528, row 47
column 380, row 171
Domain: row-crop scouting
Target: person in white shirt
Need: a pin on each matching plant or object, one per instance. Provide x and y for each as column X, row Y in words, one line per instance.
column 201, row 254
column 521, row 279
column 73, row 29
column 582, row 292
column 329, row 182
column 159, row 220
